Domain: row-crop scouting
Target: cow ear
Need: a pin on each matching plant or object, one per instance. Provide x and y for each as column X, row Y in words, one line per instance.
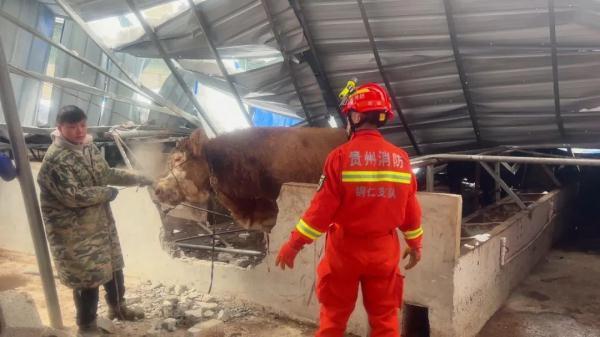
column 196, row 142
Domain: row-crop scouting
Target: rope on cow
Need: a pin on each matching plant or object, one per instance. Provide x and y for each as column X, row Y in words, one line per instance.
column 207, row 210
column 212, row 259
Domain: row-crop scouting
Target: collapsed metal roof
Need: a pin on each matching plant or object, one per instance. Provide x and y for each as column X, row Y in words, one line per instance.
column 463, row 73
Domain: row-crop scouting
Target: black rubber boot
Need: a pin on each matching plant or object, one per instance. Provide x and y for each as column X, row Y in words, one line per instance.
column 86, row 303
column 89, row 330
column 115, row 292
column 122, row 313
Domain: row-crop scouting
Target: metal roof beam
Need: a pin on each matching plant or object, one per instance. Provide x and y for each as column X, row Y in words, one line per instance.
column 461, row 69
column 206, row 31
column 390, row 90
column 287, row 61
column 66, row 50
column 553, row 51
column 163, row 53
column 315, row 63
column 66, row 84
column 158, row 99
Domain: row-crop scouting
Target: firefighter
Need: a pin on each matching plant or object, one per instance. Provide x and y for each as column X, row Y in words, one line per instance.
column 366, row 192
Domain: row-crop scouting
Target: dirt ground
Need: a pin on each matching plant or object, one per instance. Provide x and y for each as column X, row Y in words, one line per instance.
column 560, row 298
column 19, row 271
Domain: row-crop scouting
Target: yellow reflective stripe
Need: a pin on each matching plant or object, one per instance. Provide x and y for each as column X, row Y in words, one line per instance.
column 376, row 176
column 409, row 235
column 307, row 230
column 374, row 180
column 399, row 173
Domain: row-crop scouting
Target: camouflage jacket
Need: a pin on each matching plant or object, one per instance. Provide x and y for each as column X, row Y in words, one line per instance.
column 75, row 206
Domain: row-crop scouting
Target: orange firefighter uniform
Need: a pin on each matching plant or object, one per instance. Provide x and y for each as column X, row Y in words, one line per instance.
column 366, row 193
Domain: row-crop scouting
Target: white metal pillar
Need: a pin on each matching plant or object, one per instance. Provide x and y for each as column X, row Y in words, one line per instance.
column 25, row 177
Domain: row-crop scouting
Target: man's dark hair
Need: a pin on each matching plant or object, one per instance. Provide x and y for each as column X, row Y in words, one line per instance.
column 70, row 114
column 374, row 119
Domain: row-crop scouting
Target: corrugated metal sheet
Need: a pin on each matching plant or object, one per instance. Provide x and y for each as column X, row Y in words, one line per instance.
column 504, row 46
column 100, row 110
column 241, row 29
column 25, row 51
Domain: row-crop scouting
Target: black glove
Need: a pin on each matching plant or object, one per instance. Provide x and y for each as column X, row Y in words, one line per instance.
column 113, row 193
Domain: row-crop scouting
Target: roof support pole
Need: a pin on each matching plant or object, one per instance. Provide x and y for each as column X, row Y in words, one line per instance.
column 553, row 51
column 287, row 61
column 551, row 175
column 497, row 188
column 36, row 226
column 461, row 69
column 365, row 19
column 429, row 178
column 330, row 98
column 206, row 31
column 503, row 185
column 137, row 85
column 163, row 53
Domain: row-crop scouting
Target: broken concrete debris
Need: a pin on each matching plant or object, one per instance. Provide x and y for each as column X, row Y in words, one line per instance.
column 178, row 306
column 210, row 328
column 18, row 315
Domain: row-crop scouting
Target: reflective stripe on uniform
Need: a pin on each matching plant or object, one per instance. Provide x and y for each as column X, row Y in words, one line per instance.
column 307, row 230
column 376, row 176
column 409, row 235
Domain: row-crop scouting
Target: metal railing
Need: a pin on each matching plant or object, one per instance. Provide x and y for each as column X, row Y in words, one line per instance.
column 428, row 162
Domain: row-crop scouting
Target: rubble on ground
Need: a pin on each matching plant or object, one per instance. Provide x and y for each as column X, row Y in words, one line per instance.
column 18, row 315
column 173, row 307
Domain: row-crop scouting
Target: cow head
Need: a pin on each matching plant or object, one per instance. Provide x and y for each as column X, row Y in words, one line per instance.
column 187, row 173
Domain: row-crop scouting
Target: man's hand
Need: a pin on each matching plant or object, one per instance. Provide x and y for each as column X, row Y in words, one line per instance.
column 145, row 181
column 113, row 193
column 287, row 255
column 415, row 257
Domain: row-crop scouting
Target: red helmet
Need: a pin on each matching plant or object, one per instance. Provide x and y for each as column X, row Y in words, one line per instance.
column 367, row 98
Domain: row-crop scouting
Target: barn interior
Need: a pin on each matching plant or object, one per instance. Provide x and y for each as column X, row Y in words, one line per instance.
column 495, row 102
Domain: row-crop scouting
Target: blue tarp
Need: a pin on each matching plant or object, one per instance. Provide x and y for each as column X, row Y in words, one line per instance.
column 261, row 117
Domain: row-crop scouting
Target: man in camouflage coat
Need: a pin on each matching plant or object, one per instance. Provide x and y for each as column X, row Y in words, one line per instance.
column 79, row 223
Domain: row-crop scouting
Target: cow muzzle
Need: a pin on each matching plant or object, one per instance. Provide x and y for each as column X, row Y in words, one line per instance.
column 165, row 193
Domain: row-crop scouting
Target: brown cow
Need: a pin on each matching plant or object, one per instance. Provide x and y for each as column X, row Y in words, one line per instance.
column 245, row 169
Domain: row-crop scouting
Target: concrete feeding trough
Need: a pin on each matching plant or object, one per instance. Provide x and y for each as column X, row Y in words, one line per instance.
column 456, row 288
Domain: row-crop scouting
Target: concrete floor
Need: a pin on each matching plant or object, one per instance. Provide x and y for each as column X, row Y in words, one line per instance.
column 560, row 298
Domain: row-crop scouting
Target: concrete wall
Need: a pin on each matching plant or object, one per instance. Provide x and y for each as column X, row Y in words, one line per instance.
column 482, row 284
column 461, row 292
column 139, row 227
column 430, row 284
column 14, row 228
